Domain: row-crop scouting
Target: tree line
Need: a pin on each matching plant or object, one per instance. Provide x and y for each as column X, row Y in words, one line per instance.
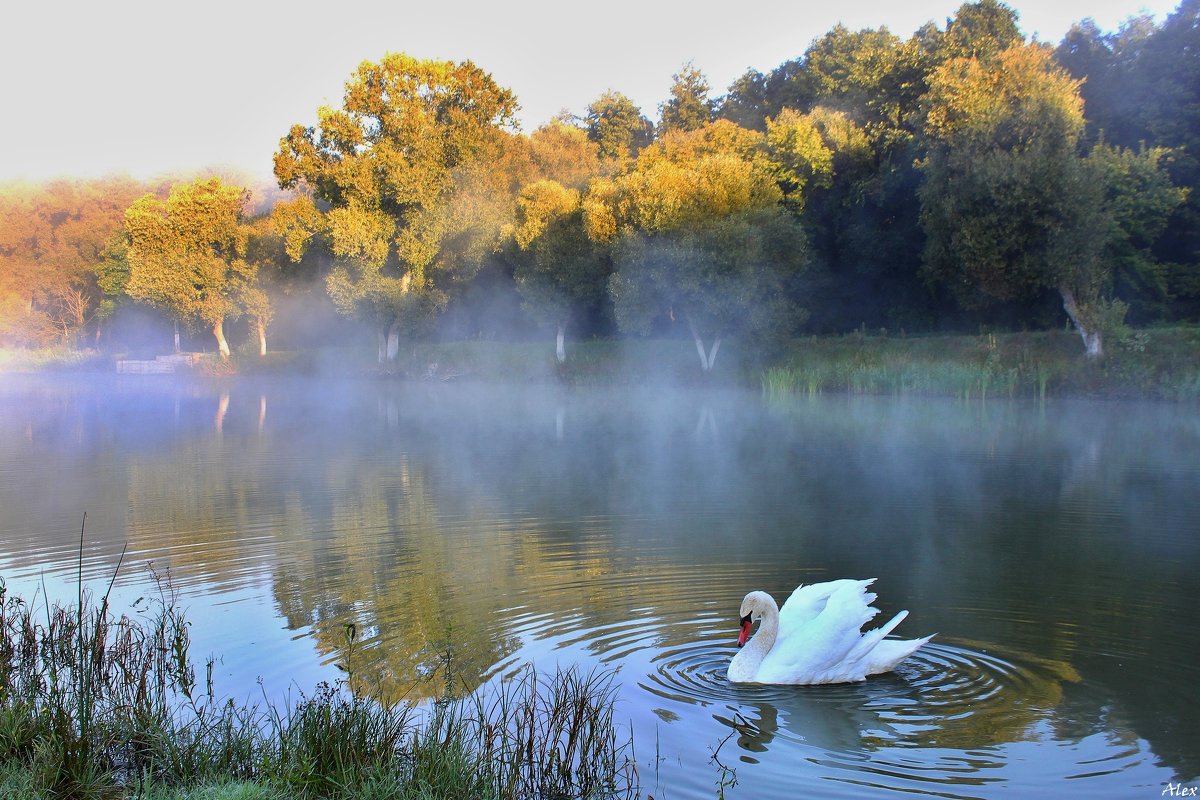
column 960, row 177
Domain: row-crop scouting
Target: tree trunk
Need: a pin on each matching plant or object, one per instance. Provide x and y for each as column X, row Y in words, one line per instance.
column 1092, row 340
column 261, row 328
column 219, row 332
column 706, row 359
column 560, row 351
column 176, row 337
column 381, row 342
column 393, row 340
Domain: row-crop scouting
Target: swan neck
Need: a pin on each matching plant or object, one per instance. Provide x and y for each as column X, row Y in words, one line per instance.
column 764, row 639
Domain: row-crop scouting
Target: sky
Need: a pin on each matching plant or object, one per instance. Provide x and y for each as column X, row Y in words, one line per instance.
column 147, row 87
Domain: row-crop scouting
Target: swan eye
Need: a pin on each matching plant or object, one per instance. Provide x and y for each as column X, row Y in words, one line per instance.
column 746, row 619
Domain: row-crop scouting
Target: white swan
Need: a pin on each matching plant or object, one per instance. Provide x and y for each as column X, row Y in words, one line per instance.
column 817, row 637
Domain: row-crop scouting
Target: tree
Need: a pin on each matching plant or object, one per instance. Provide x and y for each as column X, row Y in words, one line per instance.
column 187, row 255
column 689, row 107
column 1140, row 199
column 51, row 239
column 395, row 167
column 564, row 153
column 559, row 270
column 980, row 30
column 618, row 129
column 1008, row 206
column 850, row 71
column 1143, row 88
column 801, row 156
column 699, row 235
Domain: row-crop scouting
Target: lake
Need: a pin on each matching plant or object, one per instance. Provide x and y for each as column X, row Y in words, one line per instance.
column 1053, row 548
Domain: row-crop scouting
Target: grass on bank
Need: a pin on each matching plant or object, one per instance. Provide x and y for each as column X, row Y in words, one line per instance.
column 1160, row 363
column 99, row 706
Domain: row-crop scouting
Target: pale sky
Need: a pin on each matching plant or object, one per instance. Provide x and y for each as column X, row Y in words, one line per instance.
column 144, row 87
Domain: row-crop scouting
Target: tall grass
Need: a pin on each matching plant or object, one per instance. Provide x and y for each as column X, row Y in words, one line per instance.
column 93, row 705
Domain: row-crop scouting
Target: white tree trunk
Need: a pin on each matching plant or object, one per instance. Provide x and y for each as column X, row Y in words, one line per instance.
column 393, row 341
column 707, row 359
column 261, row 328
column 381, row 343
column 1092, row 340
column 560, row 350
column 176, row 336
column 219, row 332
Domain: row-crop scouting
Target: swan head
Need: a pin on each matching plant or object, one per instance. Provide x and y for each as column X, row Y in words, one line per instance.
column 752, row 609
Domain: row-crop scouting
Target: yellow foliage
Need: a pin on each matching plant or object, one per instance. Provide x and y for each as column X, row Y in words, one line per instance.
column 688, row 179
column 538, row 205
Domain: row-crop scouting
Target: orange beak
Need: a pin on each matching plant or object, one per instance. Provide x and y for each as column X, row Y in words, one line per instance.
column 745, row 632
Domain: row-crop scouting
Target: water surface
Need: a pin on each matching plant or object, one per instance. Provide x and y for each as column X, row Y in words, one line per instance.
column 1053, row 549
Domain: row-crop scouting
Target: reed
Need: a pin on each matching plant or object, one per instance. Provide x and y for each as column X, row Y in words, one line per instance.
column 96, row 706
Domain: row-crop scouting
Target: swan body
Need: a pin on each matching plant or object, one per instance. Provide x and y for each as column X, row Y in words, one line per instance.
column 817, row 637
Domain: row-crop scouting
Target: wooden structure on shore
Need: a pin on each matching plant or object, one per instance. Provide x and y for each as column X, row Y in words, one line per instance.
column 162, row 365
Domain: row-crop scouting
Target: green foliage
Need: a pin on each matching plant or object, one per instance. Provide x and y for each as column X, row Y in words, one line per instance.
column 559, row 270
column 939, row 176
column 1140, row 199
column 981, row 30
column 618, row 129
column 689, row 108
column 726, row 277
column 406, row 168
column 1008, row 207
column 188, row 254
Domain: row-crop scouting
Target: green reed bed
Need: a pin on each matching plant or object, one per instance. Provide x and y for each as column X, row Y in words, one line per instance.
column 96, row 705
column 1154, row 363
column 925, row 379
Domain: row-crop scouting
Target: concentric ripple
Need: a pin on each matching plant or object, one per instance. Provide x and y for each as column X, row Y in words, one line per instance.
column 954, row 718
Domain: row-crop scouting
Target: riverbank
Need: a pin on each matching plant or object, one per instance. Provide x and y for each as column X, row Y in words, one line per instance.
column 96, row 705
column 1156, row 363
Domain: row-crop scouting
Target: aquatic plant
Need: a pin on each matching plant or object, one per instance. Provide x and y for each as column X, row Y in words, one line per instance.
column 93, row 705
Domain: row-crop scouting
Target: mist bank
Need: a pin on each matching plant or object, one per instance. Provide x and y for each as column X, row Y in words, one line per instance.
column 1157, row 363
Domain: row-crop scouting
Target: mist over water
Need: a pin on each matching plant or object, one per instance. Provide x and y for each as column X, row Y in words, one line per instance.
column 1052, row 548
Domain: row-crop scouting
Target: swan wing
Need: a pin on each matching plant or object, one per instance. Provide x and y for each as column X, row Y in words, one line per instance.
column 806, row 603
column 816, row 652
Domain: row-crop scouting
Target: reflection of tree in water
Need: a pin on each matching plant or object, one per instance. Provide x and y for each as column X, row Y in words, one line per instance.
column 417, row 513
column 411, row 585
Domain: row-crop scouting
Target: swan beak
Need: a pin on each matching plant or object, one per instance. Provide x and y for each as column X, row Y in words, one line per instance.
column 745, row 632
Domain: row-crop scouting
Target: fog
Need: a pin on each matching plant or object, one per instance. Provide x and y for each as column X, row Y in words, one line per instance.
column 1050, row 546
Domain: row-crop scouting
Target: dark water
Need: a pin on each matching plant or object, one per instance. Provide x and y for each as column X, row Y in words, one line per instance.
column 1054, row 550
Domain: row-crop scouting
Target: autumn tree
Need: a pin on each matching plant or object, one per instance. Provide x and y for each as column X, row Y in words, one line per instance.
column 559, row 270
column 188, row 254
column 1009, row 206
column 699, row 235
column 564, row 153
column 400, row 187
column 51, row 239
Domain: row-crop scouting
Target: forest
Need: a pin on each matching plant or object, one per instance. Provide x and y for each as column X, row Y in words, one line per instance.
column 957, row 180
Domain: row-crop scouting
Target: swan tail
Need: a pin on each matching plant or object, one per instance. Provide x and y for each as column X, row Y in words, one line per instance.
column 887, row 655
column 872, row 639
